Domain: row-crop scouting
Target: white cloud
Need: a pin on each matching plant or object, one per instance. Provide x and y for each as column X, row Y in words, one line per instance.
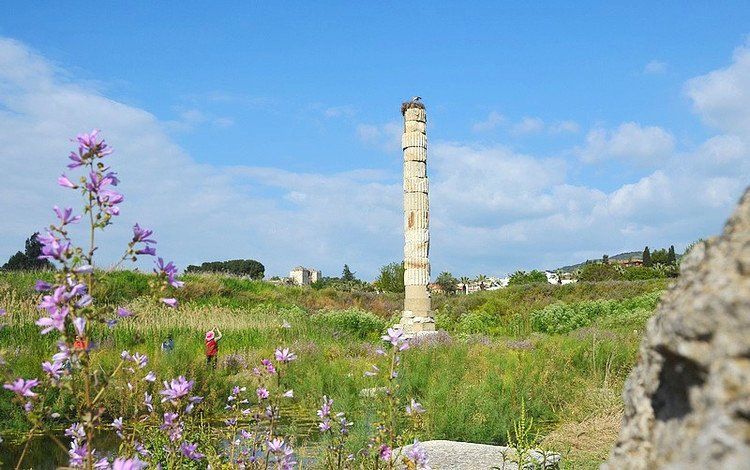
column 494, row 119
column 384, row 136
column 722, row 97
column 655, row 67
column 528, row 125
column 629, row 141
column 562, row 127
column 339, row 111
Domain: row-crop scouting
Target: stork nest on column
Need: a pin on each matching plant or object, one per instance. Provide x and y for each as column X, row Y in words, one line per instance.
column 411, row 104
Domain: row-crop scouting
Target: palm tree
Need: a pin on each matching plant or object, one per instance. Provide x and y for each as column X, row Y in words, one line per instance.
column 480, row 279
column 465, row 281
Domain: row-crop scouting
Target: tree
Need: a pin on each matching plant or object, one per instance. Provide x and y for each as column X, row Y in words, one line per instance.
column 671, row 256
column 240, row 267
column 465, row 281
column 447, row 282
column 605, row 259
column 599, row 272
column 660, row 256
column 522, row 277
column 481, row 279
column 647, row 258
column 391, row 278
column 29, row 259
column 347, row 275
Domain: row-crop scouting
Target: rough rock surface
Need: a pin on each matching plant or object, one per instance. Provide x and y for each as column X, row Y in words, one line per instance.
column 452, row 455
column 687, row 402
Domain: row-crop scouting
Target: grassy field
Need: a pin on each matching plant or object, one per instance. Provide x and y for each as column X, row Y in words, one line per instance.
column 471, row 379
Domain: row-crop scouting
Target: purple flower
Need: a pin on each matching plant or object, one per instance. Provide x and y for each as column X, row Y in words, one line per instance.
column 77, row 454
column 2, row 312
column 418, row 456
column 372, row 372
column 171, row 302
column 414, row 408
column 384, row 452
column 53, row 369
column 85, row 269
column 192, row 402
column 169, row 418
column 276, row 445
column 76, row 159
column 285, row 355
column 147, row 250
column 128, row 464
column 42, row 286
column 148, row 402
column 80, row 325
column 52, row 248
column 395, row 337
column 117, row 423
column 124, row 313
column 176, row 389
column 23, row 387
column 75, row 431
column 325, row 409
column 65, row 182
column 140, row 235
column 189, row 451
column 66, row 215
column 270, row 368
column 150, row 377
column 262, row 393
column 169, row 270
column 56, row 320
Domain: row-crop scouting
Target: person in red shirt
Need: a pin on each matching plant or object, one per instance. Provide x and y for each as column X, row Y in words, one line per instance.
column 212, row 346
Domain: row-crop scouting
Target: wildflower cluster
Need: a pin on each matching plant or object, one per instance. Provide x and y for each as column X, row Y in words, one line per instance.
column 396, row 422
column 256, row 444
column 69, row 310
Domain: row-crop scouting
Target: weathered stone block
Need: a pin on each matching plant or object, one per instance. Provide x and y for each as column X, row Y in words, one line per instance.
column 413, row 139
column 416, row 184
column 415, row 114
column 418, row 154
column 414, row 169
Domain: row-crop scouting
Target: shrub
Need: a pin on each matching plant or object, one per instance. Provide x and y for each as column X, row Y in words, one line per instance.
column 561, row 317
column 353, row 320
column 595, row 272
column 637, row 273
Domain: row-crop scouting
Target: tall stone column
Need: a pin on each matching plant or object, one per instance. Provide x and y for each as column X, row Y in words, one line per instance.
column 417, row 314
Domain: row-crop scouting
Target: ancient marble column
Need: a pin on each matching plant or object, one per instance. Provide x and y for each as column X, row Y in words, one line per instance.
column 417, row 314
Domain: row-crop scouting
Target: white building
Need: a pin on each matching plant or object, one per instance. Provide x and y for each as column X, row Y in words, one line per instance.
column 302, row 276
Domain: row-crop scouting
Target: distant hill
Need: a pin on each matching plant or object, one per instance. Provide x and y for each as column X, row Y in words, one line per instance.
column 626, row 255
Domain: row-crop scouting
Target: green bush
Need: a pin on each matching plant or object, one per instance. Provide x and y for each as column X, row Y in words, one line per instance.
column 595, row 272
column 562, row 317
column 358, row 322
column 637, row 273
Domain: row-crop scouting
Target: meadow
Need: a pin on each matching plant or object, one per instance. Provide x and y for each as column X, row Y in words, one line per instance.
column 562, row 351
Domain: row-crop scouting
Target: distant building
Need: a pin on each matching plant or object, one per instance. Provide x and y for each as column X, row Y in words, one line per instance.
column 627, row 263
column 302, row 276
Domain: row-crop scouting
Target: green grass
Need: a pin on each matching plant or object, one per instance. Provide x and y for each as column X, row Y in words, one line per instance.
column 471, row 384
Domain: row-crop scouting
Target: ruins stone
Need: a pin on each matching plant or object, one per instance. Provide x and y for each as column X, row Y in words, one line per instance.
column 417, row 314
column 687, row 401
column 452, row 455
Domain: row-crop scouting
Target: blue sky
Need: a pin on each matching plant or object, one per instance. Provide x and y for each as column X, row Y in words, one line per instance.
column 557, row 132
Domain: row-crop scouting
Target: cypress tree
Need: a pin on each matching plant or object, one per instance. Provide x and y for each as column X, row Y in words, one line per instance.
column 671, row 256
column 647, row 258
